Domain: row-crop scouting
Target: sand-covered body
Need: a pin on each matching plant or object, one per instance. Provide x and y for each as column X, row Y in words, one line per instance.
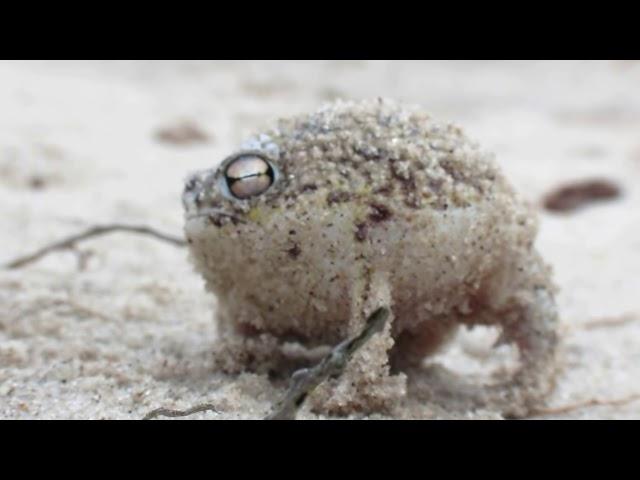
column 375, row 204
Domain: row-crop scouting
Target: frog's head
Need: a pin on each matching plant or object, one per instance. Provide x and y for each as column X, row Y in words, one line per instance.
column 260, row 227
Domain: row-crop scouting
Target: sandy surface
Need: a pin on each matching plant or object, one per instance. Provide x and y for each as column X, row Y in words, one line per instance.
column 121, row 324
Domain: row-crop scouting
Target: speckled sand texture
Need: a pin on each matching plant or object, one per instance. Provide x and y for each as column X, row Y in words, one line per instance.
column 122, row 324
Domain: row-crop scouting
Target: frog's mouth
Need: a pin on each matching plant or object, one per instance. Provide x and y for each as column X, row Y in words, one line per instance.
column 216, row 216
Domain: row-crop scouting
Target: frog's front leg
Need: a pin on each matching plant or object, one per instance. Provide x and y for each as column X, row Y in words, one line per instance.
column 242, row 347
column 236, row 353
column 366, row 384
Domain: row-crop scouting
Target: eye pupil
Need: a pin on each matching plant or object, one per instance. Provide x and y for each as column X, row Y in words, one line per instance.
column 249, row 175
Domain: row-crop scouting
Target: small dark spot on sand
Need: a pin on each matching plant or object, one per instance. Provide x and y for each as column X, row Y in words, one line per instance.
column 294, row 252
column 216, row 220
column 36, row 182
column 185, row 133
column 309, row 187
column 338, row 196
column 571, row 196
column 412, row 200
column 384, row 190
column 435, row 185
column 292, row 232
column 379, row 213
column 361, row 232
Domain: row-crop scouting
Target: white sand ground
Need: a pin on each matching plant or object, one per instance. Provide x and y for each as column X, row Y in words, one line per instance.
column 122, row 325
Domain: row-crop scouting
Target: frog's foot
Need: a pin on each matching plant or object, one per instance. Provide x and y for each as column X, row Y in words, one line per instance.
column 236, row 353
column 248, row 350
column 530, row 326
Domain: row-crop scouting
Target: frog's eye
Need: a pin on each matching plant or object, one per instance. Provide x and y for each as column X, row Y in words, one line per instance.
column 248, row 175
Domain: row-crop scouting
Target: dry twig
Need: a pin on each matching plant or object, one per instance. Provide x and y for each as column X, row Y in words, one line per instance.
column 94, row 231
column 585, row 404
column 304, row 381
column 609, row 322
column 165, row 412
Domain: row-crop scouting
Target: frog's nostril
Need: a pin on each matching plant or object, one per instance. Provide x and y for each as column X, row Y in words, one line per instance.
column 190, row 185
column 216, row 216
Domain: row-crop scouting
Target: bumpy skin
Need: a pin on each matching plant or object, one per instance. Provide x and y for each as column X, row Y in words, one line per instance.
column 375, row 204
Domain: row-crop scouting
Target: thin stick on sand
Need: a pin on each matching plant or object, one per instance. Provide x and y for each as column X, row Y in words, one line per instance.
column 165, row 412
column 94, row 231
column 305, row 381
column 616, row 402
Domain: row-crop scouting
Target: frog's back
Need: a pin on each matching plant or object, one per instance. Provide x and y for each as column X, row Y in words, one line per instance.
column 430, row 207
column 379, row 149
